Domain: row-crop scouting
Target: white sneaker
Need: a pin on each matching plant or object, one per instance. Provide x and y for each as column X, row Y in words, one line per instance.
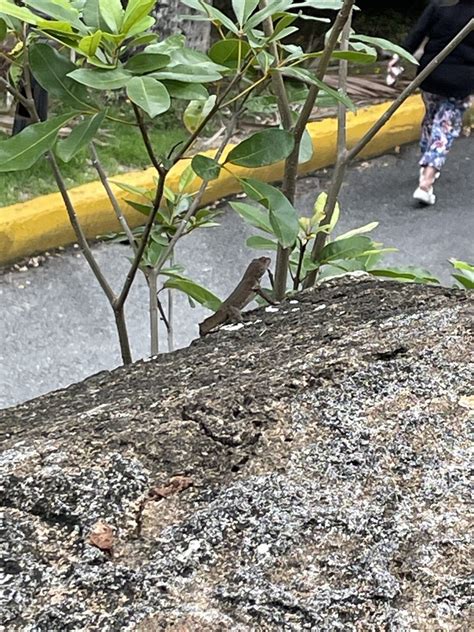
column 425, row 197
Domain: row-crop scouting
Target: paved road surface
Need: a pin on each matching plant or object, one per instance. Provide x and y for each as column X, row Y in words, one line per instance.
column 56, row 327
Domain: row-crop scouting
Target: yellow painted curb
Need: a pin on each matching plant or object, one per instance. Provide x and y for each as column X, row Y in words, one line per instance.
column 42, row 223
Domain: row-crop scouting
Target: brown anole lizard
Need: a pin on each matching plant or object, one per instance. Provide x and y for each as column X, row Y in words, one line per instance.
column 243, row 294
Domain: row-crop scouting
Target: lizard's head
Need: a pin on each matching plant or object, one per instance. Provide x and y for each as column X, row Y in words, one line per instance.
column 264, row 262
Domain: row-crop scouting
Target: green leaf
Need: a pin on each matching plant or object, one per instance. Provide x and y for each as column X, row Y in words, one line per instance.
column 186, row 91
column 254, row 216
column 324, row 5
column 135, row 12
column 62, row 11
column 142, row 26
column 283, row 23
column 262, row 148
column 51, row 69
column 196, row 112
column 149, row 94
column 168, row 46
column 367, row 56
column 261, row 243
column 273, row 7
column 284, row 33
column 142, row 40
column 205, row 167
column 367, row 228
column 306, row 148
column 142, row 191
column 188, row 74
column 348, row 248
column 141, row 63
column 62, row 32
column 283, row 215
column 195, row 291
column 186, row 180
column 91, row 14
column 145, row 209
column 229, row 52
column 80, row 136
column 3, row 29
column 23, row 150
column 243, row 9
column 407, row 274
column 467, row 283
column 112, row 13
column 466, row 273
column 308, row 77
column 90, row 43
column 212, row 14
column 160, row 238
column 386, row 45
column 21, row 13
column 461, row 265
column 153, row 253
column 101, row 79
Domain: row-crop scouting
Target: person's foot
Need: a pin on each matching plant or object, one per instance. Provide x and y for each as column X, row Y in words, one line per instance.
column 426, row 197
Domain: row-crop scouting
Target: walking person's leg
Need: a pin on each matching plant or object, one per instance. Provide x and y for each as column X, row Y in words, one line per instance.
column 431, row 102
column 445, row 128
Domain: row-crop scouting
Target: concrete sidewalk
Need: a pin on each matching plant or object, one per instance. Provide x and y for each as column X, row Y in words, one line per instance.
column 57, row 328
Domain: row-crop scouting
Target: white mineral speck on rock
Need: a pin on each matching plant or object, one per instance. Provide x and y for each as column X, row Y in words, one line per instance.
column 235, row 327
column 194, row 545
column 263, row 549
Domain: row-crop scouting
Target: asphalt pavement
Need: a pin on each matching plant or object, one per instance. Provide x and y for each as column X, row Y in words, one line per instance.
column 56, row 328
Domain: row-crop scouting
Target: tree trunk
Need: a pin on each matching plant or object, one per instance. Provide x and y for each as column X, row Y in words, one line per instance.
column 169, row 22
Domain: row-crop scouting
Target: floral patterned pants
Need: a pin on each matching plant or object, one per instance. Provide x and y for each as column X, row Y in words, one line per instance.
column 441, row 125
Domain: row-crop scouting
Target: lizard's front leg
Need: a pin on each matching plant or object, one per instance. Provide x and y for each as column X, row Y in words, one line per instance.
column 234, row 315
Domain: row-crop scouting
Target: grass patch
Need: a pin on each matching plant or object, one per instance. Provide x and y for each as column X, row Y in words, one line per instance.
column 120, row 149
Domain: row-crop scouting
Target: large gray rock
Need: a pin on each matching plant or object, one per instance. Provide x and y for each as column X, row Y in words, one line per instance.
column 318, row 466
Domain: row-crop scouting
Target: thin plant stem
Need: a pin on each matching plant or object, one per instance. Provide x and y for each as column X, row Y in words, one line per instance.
column 91, row 260
column 152, row 277
column 291, row 164
column 170, row 320
column 171, row 313
column 124, row 342
column 146, row 138
column 16, row 94
column 7, row 58
column 297, row 279
column 276, row 78
column 162, row 311
column 219, row 103
column 144, row 240
column 157, row 202
column 113, row 200
column 340, row 167
column 80, row 236
column 198, row 197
